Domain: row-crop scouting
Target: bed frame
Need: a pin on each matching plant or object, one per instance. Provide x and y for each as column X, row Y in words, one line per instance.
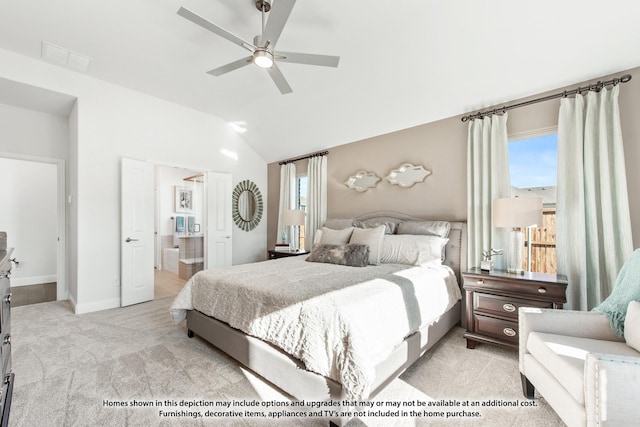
column 290, row 375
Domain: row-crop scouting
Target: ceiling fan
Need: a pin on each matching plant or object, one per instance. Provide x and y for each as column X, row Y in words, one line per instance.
column 262, row 49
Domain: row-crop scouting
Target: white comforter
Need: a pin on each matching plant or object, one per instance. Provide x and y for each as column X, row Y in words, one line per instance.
column 339, row 321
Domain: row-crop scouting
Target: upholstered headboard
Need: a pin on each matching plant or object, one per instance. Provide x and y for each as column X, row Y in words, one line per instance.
column 456, row 249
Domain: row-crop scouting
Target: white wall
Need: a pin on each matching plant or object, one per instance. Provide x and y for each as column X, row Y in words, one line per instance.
column 115, row 122
column 31, row 220
column 33, row 133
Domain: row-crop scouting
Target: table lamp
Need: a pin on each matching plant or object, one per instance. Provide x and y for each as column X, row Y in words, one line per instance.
column 294, row 218
column 516, row 213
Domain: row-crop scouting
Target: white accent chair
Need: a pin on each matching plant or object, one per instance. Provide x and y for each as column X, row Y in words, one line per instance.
column 586, row 373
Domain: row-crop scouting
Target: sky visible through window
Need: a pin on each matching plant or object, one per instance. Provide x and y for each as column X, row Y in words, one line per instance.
column 302, row 192
column 533, row 162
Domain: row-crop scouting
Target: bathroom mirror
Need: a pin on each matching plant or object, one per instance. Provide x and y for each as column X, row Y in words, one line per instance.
column 407, row 174
column 247, row 205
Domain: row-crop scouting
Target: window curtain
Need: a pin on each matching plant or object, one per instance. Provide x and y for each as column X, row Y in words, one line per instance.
column 316, row 197
column 593, row 221
column 287, row 199
column 487, row 179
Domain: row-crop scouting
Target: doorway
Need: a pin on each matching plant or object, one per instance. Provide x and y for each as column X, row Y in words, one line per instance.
column 178, row 227
column 167, row 213
column 35, row 226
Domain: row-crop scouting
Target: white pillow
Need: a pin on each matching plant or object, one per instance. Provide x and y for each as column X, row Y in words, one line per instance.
column 412, row 249
column 632, row 325
column 372, row 237
column 335, row 237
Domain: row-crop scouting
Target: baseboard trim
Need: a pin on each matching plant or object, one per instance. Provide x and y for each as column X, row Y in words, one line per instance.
column 95, row 306
column 33, row 280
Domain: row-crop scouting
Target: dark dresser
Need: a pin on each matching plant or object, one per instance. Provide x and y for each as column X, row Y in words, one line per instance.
column 5, row 335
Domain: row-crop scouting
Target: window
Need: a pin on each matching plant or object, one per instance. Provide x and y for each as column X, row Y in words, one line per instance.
column 301, row 203
column 533, row 166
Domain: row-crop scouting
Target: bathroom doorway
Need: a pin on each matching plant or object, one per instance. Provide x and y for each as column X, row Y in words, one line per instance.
column 180, row 213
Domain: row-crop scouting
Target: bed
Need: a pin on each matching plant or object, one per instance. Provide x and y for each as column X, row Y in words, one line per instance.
column 277, row 339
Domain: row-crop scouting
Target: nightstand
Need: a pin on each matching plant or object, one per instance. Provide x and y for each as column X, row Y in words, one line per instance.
column 493, row 299
column 273, row 254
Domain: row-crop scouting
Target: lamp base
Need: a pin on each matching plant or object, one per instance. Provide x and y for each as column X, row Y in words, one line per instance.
column 486, row 265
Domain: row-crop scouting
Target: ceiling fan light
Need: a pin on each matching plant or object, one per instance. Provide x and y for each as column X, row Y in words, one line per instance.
column 263, row 58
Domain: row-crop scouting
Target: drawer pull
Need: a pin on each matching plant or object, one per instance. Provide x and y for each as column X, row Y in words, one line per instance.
column 480, row 282
column 542, row 291
column 7, row 299
column 509, row 332
column 509, row 307
column 7, row 339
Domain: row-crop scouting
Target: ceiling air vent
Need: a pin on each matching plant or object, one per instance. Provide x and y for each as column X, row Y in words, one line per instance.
column 65, row 57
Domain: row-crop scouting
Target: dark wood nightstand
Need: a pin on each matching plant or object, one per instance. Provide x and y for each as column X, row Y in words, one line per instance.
column 273, row 254
column 493, row 299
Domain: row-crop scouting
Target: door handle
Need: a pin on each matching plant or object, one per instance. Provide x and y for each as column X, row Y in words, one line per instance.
column 129, row 239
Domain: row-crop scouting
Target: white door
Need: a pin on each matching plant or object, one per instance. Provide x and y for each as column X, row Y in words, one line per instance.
column 136, row 238
column 219, row 223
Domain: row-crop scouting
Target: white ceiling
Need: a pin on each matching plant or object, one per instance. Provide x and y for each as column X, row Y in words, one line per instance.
column 403, row 63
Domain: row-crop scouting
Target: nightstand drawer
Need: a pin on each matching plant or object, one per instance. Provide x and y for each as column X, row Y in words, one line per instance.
column 517, row 286
column 504, row 306
column 504, row 330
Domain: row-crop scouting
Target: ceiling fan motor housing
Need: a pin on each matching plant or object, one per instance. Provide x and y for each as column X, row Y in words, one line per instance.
column 263, row 4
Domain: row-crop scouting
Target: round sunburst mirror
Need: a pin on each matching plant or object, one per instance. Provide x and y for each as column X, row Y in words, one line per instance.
column 247, row 205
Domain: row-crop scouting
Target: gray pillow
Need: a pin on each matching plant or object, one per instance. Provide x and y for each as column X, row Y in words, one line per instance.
column 352, row 255
column 390, row 226
column 339, row 223
column 429, row 228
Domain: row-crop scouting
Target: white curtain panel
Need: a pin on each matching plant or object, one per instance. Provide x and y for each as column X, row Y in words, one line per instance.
column 593, row 221
column 487, row 179
column 287, row 199
column 316, row 197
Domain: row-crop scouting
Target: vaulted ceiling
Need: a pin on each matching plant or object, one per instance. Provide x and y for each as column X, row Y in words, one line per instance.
column 403, row 63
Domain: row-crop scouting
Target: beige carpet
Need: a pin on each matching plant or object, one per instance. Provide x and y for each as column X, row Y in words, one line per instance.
column 69, row 367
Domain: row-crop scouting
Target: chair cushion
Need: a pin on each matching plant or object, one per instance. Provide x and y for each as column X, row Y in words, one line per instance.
column 564, row 356
column 632, row 325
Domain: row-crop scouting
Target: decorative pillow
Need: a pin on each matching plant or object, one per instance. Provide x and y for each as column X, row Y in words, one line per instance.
column 335, row 237
column 625, row 289
column 412, row 249
column 373, row 238
column 632, row 325
column 352, row 255
column 339, row 223
column 429, row 228
column 390, row 226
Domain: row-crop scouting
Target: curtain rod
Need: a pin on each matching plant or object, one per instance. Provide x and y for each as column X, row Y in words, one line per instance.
column 596, row 87
column 320, row 153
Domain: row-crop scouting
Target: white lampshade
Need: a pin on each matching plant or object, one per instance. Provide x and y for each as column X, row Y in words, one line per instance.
column 517, row 212
column 294, row 217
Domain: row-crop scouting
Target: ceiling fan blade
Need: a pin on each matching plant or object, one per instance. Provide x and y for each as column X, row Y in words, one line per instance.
column 308, row 58
column 279, row 80
column 231, row 66
column 208, row 25
column 277, row 19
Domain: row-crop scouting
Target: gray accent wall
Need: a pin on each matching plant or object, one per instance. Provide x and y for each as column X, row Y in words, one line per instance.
column 441, row 147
